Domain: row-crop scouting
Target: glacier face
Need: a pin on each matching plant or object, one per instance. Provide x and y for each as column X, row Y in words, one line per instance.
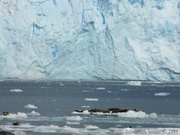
column 90, row 39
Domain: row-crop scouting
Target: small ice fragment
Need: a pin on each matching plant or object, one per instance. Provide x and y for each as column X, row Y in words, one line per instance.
column 29, row 106
column 61, row 84
column 34, row 114
column 161, row 94
column 91, row 127
column 16, row 90
column 100, row 88
column 74, row 118
column 153, row 115
column 91, row 99
column 86, row 112
column 87, row 90
column 21, row 115
column 134, row 83
column 72, row 123
column 133, row 114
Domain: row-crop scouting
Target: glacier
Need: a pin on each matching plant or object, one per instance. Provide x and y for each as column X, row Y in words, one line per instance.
column 90, row 39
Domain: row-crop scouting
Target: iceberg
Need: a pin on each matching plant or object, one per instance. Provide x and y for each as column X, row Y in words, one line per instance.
column 83, row 39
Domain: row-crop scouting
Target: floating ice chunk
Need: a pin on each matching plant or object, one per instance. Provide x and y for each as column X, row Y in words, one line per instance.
column 22, row 115
column 161, row 94
column 153, row 115
column 86, row 112
column 91, row 99
column 61, row 84
column 133, row 114
column 116, row 131
column 100, row 88
column 47, row 129
column 91, row 127
column 109, row 91
column 16, row 90
column 134, row 83
column 29, row 106
column 68, row 129
column 72, row 123
column 34, row 114
column 74, row 118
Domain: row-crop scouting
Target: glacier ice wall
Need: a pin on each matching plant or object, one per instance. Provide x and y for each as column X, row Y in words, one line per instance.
column 90, row 39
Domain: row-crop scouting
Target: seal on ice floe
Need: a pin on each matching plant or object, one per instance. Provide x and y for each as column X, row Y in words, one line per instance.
column 120, row 110
column 95, row 110
column 78, row 110
column 17, row 123
column 6, row 113
column 110, row 110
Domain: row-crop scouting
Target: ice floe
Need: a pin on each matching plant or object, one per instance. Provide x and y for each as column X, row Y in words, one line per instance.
column 162, row 94
column 72, row 123
column 91, row 127
column 84, row 112
column 16, row 90
column 153, row 115
column 30, row 106
column 129, row 113
column 133, row 114
column 91, row 99
column 46, row 129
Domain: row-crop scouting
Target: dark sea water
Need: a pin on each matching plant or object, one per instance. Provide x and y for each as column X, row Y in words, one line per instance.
column 56, row 100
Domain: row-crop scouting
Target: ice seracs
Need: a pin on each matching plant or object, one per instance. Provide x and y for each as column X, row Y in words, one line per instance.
column 90, row 39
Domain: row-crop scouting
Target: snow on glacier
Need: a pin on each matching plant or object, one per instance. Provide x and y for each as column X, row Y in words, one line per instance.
column 90, row 39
